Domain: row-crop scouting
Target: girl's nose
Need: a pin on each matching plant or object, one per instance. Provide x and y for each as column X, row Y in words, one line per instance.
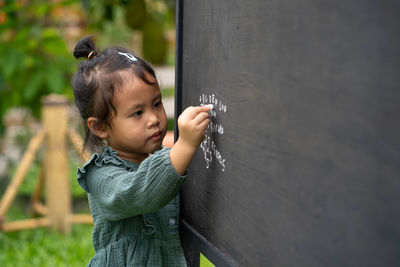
column 153, row 119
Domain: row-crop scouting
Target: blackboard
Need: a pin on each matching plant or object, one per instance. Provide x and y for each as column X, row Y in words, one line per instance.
column 302, row 164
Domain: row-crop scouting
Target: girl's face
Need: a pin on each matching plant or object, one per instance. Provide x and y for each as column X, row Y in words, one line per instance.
column 140, row 123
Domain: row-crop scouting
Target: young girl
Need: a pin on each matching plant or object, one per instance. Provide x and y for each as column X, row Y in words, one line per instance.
column 133, row 184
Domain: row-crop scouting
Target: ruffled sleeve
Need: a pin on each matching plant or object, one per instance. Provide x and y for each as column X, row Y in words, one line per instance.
column 81, row 173
column 108, row 156
column 124, row 189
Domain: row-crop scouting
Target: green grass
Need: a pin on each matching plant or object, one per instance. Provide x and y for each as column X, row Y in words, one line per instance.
column 44, row 246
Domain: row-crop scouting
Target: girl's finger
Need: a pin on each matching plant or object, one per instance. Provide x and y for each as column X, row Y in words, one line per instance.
column 204, row 124
column 201, row 117
column 198, row 109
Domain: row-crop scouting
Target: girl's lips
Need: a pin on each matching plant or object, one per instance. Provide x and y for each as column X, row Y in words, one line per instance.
column 156, row 136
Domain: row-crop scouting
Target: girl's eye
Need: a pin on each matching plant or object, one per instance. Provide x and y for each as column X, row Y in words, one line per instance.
column 158, row 103
column 137, row 113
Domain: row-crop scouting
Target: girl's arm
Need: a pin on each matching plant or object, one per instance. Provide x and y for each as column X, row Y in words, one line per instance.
column 192, row 125
column 122, row 193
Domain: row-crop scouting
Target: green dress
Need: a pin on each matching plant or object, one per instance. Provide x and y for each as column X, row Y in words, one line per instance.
column 135, row 209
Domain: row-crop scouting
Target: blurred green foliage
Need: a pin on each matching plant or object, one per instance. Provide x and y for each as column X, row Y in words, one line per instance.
column 135, row 14
column 154, row 43
column 34, row 60
column 151, row 17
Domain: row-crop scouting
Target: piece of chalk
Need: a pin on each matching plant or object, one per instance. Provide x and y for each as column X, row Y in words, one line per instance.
column 210, row 111
column 211, row 106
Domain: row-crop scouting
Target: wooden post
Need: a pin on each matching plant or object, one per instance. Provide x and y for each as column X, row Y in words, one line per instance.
column 36, row 205
column 22, row 169
column 25, row 224
column 58, row 199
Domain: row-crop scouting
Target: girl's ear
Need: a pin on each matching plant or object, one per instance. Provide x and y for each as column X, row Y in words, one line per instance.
column 96, row 128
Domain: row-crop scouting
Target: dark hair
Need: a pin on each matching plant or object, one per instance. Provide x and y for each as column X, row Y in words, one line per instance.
column 96, row 80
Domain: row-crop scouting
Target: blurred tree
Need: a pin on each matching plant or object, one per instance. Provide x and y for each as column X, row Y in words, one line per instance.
column 160, row 15
column 135, row 14
column 154, row 42
column 151, row 17
column 34, row 60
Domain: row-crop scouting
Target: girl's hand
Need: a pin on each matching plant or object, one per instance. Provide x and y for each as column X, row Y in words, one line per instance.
column 192, row 125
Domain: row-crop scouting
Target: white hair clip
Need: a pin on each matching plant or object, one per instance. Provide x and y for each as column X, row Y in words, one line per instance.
column 128, row 55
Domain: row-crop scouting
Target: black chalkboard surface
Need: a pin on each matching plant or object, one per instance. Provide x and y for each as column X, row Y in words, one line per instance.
column 301, row 165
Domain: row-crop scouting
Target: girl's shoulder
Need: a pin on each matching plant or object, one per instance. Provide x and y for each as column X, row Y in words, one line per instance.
column 103, row 163
column 108, row 164
column 106, row 158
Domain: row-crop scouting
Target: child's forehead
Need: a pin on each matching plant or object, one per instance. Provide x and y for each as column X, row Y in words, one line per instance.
column 129, row 76
column 134, row 86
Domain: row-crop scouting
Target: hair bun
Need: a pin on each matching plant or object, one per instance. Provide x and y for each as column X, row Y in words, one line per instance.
column 84, row 47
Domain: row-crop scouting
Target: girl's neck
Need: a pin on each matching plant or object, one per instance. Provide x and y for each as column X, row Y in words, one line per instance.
column 137, row 158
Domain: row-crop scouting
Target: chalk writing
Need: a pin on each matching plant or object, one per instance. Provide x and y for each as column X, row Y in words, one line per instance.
column 210, row 150
column 208, row 146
